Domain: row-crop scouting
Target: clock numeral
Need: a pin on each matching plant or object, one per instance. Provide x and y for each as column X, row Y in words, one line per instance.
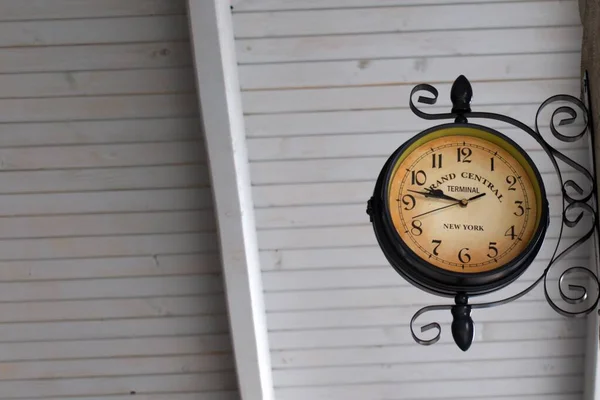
column 436, row 161
column 492, row 163
column 492, row 247
column 463, row 154
column 409, row 201
column 418, row 177
column 463, row 256
column 417, row 229
column 520, row 209
column 511, row 232
column 511, row 180
column 438, row 243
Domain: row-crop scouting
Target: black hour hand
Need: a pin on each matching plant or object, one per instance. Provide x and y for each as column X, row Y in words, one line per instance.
column 435, row 193
column 438, row 193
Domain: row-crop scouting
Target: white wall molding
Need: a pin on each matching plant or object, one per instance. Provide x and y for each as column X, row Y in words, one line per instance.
column 219, row 93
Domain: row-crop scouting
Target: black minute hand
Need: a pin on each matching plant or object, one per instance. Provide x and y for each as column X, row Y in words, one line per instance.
column 437, row 209
column 463, row 202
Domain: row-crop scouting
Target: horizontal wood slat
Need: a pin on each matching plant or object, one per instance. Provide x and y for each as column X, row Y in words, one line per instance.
column 397, row 96
column 117, row 366
column 109, row 267
column 373, row 121
column 64, row 9
column 410, row 45
column 99, row 156
column 104, row 202
column 441, row 389
column 202, row 395
column 479, row 370
column 96, row 83
column 403, row 19
column 397, row 292
column 394, row 71
column 96, row 57
column 240, row 6
column 121, row 385
column 400, row 335
column 101, row 246
column 95, row 179
column 195, row 323
column 21, row 134
column 291, row 359
column 211, row 313
column 97, row 108
column 91, row 31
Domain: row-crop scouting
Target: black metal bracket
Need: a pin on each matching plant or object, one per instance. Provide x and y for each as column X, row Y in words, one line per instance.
column 582, row 201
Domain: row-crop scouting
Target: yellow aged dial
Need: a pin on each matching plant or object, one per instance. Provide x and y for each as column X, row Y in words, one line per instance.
column 464, row 200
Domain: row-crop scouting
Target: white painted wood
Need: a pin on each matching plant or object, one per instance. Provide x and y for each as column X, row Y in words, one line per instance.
column 211, row 395
column 441, row 389
column 100, row 202
column 110, row 267
column 219, row 92
column 96, row 108
column 90, row 83
column 94, row 179
column 96, row 30
column 405, row 19
column 364, row 121
column 96, row 57
column 410, row 44
column 279, row 5
column 109, row 258
column 396, row 96
column 428, row 69
column 91, row 132
column 126, row 366
column 291, row 359
column 193, row 324
column 325, row 90
column 478, row 370
column 66, row 9
column 397, row 335
column 101, row 156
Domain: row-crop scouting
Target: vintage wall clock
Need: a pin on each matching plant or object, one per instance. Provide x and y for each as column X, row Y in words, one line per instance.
column 461, row 210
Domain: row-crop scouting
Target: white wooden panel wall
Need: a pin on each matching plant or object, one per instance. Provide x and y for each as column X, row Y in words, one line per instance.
column 325, row 93
column 110, row 282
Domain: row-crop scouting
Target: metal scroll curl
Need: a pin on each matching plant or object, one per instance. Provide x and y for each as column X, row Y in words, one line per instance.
column 580, row 204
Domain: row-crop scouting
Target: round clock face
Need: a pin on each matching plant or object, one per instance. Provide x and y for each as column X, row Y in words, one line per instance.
column 465, row 202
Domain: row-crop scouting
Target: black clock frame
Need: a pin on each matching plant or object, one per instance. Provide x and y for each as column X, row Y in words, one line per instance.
column 575, row 198
column 427, row 276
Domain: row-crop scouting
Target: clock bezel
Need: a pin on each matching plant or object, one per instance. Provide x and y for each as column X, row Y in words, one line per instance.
column 428, row 276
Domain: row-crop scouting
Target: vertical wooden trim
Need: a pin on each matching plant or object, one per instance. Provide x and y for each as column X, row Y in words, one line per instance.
column 219, row 93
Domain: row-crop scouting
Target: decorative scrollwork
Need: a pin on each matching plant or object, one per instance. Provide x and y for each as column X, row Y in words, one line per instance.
column 583, row 203
column 427, row 100
column 425, row 328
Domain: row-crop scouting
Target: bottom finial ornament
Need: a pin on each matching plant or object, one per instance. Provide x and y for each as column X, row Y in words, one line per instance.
column 462, row 323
